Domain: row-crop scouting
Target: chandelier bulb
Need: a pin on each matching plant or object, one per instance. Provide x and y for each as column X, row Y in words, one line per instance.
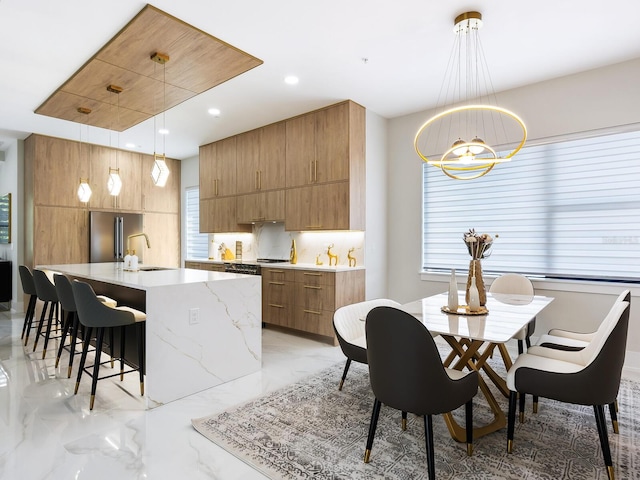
column 459, row 151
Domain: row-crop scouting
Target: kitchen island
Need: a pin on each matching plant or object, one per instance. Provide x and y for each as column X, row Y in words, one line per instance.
column 203, row 328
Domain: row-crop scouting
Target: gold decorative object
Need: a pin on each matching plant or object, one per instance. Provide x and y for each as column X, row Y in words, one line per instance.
column 332, row 257
column 352, row 259
column 160, row 171
column 478, row 246
column 293, row 255
column 468, row 111
column 318, row 261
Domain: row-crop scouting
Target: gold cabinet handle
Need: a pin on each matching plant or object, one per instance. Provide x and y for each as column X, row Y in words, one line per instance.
column 312, row 274
column 313, row 227
column 277, row 271
column 312, row 311
column 215, row 183
column 255, row 180
column 275, row 305
column 311, row 171
column 313, row 287
column 276, row 283
column 259, row 179
column 315, row 171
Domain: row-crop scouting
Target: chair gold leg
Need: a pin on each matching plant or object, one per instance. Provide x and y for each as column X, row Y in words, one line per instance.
column 535, row 407
column 141, row 388
column 521, row 417
column 75, row 392
column 404, row 424
column 93, row 399
column 509, row 446
column 367, row 455
column 615, row 427
column 68, row 372
column 469, row 449
column 610, row 472
column 340, row 386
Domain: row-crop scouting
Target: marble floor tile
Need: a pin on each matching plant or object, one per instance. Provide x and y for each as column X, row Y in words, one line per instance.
column 47, row 432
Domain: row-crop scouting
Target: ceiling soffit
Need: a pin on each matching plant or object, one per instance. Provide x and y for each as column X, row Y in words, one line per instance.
column 198, row 62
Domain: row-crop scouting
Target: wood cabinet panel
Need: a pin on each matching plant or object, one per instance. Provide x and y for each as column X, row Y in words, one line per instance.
column 315, row 297
column 248, row 161
column 219, row 215
column 300, row 150
column 160, row 199
column 312, row 321
column 211, row 267
column 333, row 131
column 130, row 167
column 163, row 230
column 61, row 235
column 272, row 167
column 63, row 163
column 322, row 207
column 218, row 168
column 261, row 207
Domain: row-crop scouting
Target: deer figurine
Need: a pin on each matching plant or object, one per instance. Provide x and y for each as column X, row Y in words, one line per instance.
column 352, row 259
column 332, row 256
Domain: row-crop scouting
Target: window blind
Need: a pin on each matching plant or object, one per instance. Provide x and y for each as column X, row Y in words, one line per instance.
column 197, row 243
column 569, row 209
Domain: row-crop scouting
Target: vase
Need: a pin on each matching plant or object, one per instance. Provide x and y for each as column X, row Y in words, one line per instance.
column 452, row 301
column 475, row 269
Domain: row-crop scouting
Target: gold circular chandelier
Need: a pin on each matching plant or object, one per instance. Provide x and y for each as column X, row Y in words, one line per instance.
column 470, row 134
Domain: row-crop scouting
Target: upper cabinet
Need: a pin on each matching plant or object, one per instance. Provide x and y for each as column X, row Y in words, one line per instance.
column 218, row 168
column 261, row 159
column 308, row 171
column 324, row 146
column 129, row 166
column 160, row 199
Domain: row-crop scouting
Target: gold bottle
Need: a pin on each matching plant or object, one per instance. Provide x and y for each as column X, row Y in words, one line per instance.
column 293, row 256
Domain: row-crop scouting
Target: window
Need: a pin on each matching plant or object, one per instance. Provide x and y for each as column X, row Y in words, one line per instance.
column 569, row 209
column 197, row 243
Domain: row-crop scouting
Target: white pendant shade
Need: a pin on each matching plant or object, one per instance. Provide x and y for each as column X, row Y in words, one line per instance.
column 160, row 171
column 84, row 191
column 114, row 184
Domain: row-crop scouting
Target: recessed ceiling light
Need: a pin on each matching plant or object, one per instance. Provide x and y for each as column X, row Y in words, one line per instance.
column 130, row 145
column 214, row 111
column 291, row 80
column 163, row 131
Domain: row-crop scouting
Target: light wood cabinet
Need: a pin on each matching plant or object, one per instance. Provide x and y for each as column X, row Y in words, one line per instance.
column 129, row 165
column 307, row 299
column 261, row 159
column 60, row 235
column 218, row 168
column 160, row 199
column 163, row 230
column 324, row 146
column 219, row 215
column 211, row 267
column 278, row 289
column 62, row 164
column 332, row 206
column 261, row 207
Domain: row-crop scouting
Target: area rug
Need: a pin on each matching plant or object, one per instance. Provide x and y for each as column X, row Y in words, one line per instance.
column 312, row 430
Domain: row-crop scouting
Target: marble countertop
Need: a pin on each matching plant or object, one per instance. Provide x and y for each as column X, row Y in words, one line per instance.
column 141, row 280
column 298, row 266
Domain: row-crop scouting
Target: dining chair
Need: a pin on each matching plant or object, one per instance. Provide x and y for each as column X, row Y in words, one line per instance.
column 516, row 283
column 348, row 323
column 406, row 373
column 567, row 340
column 29, row 288
column 47, row 294
column 590, row 376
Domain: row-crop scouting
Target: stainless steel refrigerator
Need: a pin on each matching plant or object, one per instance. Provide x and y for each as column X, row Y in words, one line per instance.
column 108, row 232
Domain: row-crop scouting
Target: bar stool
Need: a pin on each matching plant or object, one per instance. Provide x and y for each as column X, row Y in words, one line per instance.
column 93, row 314
column 29, row 288
column 46, row 292
column 67, row 301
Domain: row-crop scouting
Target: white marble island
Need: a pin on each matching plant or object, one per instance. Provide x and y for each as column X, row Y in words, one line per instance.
column 203, row 328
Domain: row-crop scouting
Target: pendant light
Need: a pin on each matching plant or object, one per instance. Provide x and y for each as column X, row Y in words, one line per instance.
column 160, row 171
column 84, row 190
column 469, row 127
column 114, row 183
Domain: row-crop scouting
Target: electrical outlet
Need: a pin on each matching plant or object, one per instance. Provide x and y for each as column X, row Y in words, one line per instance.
column 194, row 316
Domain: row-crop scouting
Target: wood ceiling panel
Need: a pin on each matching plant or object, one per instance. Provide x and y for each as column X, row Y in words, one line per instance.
column 198, row 62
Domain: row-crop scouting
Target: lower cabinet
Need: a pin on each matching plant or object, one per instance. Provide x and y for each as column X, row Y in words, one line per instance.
column 212, row 267
column 306, row 300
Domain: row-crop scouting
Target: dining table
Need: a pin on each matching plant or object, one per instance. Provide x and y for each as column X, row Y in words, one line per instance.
column 473, row 338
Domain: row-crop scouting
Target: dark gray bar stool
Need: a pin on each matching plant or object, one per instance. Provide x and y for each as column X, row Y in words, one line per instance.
column 29, row 288
column 46, row 293
column 95, row 315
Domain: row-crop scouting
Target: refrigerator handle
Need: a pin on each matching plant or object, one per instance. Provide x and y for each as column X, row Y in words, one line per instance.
column 116, row 235
column 121, row 237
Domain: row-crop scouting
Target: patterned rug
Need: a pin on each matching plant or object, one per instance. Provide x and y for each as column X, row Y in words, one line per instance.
column 310, row 429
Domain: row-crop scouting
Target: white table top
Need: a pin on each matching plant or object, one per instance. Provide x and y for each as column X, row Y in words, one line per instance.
column 508, row 313
column 141, row 280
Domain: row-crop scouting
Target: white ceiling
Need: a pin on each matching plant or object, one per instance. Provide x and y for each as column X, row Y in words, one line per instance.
column 407, row 44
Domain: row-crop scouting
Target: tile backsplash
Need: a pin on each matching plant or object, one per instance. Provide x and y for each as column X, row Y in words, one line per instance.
column 270, row 240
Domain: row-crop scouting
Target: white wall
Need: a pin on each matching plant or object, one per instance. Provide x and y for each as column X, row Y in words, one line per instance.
column 11, row 182
column 590, row 100
column 189, row 177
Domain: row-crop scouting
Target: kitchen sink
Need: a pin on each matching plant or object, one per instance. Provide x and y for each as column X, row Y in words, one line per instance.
column 153, row 269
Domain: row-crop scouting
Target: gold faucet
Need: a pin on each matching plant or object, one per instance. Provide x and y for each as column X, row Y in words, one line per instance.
column 138, row 235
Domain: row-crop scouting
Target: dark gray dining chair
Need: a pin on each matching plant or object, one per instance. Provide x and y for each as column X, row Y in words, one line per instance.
column 406, row 373
column 47, row 294
column 590, row 376
column 29, row 288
